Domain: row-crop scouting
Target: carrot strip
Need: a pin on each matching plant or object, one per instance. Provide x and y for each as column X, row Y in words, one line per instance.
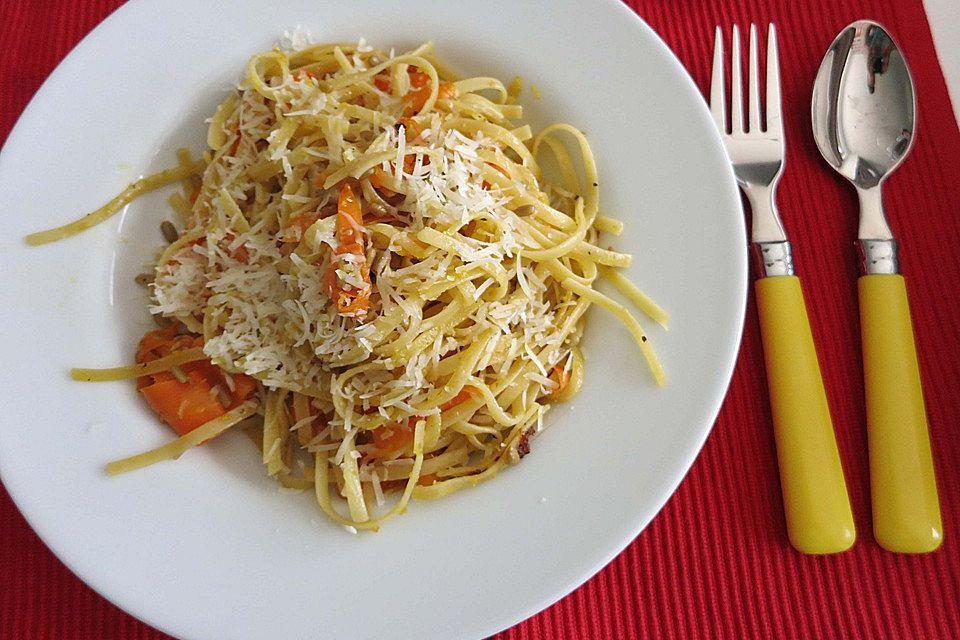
column 561, row 376
column 349, row 226
column 382, row 81
column 320, row 179
column 192, row 400
column 413, row 102
column 418, row 80
column 183, row 405
column 465, row 394
column 411, row 129
column 300, row 74
column 301, row 222
column 397, row 435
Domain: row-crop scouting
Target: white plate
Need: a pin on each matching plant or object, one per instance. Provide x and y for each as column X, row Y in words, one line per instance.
column 207, row 547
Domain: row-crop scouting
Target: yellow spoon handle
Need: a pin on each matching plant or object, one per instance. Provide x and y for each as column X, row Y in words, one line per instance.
column 815, row 501
column 906, row 509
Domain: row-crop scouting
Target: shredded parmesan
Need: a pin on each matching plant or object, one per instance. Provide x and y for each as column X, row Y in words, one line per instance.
column 423, row 330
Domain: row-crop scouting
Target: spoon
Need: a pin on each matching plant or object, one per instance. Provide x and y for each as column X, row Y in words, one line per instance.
column 864, row 117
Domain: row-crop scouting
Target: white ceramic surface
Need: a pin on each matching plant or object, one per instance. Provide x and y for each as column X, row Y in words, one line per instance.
column 208, row 547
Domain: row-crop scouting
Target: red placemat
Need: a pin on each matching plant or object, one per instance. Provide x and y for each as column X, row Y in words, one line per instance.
column 716, row 561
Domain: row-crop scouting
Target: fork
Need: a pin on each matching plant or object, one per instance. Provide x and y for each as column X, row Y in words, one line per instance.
column 815, row 501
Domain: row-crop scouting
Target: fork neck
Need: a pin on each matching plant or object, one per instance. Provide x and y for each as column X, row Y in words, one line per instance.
column 772, row 253
column 765, row 219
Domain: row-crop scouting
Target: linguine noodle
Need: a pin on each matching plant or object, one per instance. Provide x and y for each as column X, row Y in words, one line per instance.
column 401, row 267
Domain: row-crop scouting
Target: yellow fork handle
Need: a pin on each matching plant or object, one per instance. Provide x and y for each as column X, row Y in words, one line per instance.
column 906, row 510
column 815, row 500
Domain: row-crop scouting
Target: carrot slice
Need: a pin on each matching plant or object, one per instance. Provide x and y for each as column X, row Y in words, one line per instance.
column 320, row 179
column 465, row 394
column 499, row 169
column 382, row 81
column 392, row 437
column 187, row 404
column 153, row 342
column 301, row 222
column 301, row 74
column 243, row 387
column 427, row 480
column 397, row 435
column 184, row 405
column 561, row 376
column 349, row 234
column 418, row 80
column 411, row 129
column 413, row 102
column 349, row 216
column 381, row 180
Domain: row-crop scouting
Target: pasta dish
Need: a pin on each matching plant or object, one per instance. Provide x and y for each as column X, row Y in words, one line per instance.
column 378, row 273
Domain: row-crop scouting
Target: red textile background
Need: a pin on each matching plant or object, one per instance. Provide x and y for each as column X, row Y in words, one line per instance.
column 716, row 562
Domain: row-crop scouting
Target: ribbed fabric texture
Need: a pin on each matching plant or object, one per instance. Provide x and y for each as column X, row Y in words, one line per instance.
column 716, row 562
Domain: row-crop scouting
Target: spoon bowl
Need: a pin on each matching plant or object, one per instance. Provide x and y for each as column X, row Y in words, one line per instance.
column 864, row 107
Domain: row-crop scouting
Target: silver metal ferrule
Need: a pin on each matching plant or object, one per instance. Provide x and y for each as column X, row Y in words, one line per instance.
column 773, row 258
column 878, row 257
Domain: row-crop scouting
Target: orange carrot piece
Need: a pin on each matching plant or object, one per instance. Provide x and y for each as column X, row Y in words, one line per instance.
column 465, row 394
column 380, row 179
column 561, row 376
column 153, row 341
column 500, row 169
column 301, row 222
column 349, row 234
column 391, row 437
column 243, row 387
column 184, row 405
column 411, row 129
column 382, row 81
column 418, row 79
column 413, row 102
column 349, row 216
column 427, row 480
column 487, row 185
column 320, row 179
column 195, row 399
column 397, row 435
column 301, row 74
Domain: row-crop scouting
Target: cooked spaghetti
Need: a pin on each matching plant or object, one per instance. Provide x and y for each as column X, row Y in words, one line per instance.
column 376, row 275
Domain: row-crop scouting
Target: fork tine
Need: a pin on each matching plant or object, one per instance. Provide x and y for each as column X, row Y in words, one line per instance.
column 736, row 85
column 774, row 112
column 753, row 83
column 718, row 101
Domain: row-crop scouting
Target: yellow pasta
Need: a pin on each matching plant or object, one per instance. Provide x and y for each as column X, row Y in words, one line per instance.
column 175, row 449
column 137, row 370
column 377, row 245
column 135, row 190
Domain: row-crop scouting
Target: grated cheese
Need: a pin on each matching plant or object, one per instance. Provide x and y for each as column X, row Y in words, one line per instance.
column 261, row 282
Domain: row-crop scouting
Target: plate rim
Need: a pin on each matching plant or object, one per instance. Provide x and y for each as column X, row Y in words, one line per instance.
column 640, row 522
